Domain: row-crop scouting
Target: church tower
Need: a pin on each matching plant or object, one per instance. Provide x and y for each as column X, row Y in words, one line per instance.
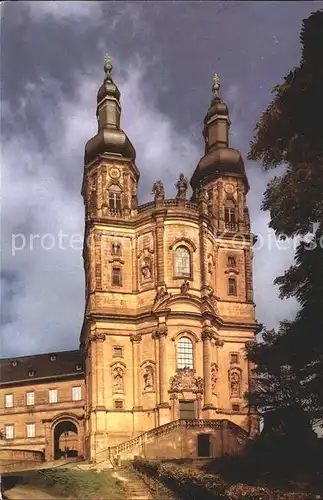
column 169, row 304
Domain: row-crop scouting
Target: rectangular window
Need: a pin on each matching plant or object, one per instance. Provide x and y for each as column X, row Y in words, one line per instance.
column 30, row 398
column 52, row 394
column 116, row 248
column 9, row 431
column 232, row 287
column 234, row 358
column 232, row 261
column 114, row 201
column 76, row 393
column 118, row 404
column 8, row 400
column 31, row 430
column 117, row 352
column 116, row 276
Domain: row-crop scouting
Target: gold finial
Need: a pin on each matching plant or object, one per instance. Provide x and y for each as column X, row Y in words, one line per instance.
column 107, row 64
column 216, row 84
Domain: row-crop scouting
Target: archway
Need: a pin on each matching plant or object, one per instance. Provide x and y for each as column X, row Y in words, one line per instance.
column 66, row 442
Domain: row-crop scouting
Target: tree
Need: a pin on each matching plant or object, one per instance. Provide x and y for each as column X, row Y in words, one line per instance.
column 290, row 134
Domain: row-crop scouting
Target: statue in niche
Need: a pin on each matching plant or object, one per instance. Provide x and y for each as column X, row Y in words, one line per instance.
column 214, row 376
column 146, row 269
column 158, row 190
column 235, row 385
column 118, row 382
column 149, row 379
column 185, row 286
column 181, row 186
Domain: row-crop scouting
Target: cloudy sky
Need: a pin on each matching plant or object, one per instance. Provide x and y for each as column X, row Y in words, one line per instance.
column 164, row 56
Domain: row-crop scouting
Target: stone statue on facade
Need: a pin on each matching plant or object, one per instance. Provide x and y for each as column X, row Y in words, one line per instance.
column 158, row 190
column 149, row 378
column 235, row 385
column 118, row 382
column 161, row 292
column 214, row 376
column 134, row 197
column 181, row 186
column 146, row 269
column 185, row 286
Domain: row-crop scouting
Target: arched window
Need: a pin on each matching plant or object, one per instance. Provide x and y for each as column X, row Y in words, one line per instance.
column 184, row 353
column 182, row 262
column 114, row 197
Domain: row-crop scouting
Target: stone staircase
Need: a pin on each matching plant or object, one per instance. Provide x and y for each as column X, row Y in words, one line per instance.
column 111, row 457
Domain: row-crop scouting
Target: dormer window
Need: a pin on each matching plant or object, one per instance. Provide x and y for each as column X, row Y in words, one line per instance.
column 78, row 368
column 14, row 363
column 31, row 373
column 53, row 357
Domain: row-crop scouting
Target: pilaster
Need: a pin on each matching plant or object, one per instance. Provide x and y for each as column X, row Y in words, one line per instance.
column 136, row 358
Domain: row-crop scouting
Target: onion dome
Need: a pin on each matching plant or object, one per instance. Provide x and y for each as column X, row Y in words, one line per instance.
column 219, row 158
column 110, row 139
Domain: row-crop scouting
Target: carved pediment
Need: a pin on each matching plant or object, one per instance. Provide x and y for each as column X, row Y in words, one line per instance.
column 185, row 380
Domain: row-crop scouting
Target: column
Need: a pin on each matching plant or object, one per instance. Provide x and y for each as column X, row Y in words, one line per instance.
column 162, row 367
column 207, row 335
column 163, row 406
column 136, row 340
column 99, row 340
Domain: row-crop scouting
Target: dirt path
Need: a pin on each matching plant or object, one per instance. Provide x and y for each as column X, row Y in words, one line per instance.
column 25, row 492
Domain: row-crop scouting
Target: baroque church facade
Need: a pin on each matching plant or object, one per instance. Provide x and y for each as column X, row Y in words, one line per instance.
column 169, row 301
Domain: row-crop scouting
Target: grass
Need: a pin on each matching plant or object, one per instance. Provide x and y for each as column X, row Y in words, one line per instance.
column 69, row 483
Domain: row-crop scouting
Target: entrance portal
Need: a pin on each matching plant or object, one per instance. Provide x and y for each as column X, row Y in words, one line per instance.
column 186, row 410
column 203, row 445
column 65, row 440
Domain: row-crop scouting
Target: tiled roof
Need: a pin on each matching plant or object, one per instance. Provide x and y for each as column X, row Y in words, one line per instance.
column 40, row 366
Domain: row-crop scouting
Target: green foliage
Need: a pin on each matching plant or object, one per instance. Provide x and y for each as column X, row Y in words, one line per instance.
column 191, row 484
column 290, row 133
column 289, row 374
column 88, row 485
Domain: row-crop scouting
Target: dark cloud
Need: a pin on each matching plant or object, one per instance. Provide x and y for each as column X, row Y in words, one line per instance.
column 164, row 56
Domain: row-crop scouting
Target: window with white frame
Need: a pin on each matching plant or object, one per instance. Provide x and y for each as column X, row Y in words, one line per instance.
column 182, row 262
column 184, row 353
column 52, row 395
column 76, row 393
column 8, row 400
column 30, row 398
column 9, row 431
column 31, row 430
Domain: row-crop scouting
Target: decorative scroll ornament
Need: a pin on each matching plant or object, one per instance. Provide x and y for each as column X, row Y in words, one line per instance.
column 185, row 380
